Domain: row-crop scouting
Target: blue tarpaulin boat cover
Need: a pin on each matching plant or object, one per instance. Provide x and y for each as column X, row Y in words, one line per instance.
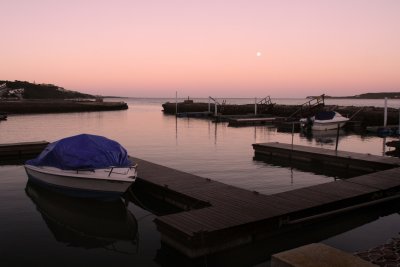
column 83, row 151
column 325, row 115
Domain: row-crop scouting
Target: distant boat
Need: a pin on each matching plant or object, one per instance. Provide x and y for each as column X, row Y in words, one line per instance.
column 383, row 130
column 87, row 166
column 3, row 116
column 324, row 120
column 394, row 143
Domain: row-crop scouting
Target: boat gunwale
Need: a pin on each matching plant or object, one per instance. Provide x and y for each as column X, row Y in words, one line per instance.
column 62, row 173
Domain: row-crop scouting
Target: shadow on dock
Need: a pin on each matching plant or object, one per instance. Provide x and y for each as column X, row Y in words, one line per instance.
column 141, row 195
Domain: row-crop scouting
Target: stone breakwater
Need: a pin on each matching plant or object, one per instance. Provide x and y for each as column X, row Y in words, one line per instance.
column 385, row 255
column 58, row 106
column 368, row 116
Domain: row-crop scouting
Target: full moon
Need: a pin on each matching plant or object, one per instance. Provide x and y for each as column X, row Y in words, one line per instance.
column 258, row 54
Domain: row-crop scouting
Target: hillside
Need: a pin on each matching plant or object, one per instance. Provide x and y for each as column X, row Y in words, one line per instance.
column 379, row 95
column 392, row 95
column 27, row 90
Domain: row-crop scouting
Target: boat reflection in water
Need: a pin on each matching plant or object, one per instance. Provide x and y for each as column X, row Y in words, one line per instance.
column 85, row 223
column 324, row 137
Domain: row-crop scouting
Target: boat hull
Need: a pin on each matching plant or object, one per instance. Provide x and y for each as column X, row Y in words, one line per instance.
column 327, row 126
column 324, row 121
column 79, row 186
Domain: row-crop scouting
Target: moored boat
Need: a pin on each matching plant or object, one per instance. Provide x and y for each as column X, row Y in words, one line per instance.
column 324, row 120
column 3, row 116
column 389, row 130
column 88, row 166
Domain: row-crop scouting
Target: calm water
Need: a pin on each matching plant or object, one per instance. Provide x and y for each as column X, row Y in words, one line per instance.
column 34, row 232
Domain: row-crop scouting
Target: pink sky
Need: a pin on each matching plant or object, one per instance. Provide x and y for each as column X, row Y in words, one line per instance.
column 201, row 48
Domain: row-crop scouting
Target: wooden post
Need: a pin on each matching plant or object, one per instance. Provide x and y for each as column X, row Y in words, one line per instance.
column 385, row 114
column 337, row 136
column 292, row 134
column 176, row 103
column 255, row 106
column 209, row 104
column 384, row 145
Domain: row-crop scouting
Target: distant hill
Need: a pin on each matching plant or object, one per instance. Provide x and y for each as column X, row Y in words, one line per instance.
column 27, row 90
column 378, row 95
column 393, row 95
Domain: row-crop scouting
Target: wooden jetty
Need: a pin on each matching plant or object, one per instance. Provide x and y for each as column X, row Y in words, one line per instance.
column 201, row 114
column 326, row 157
column 254, row 121
column 16, row 152
column 217, row 216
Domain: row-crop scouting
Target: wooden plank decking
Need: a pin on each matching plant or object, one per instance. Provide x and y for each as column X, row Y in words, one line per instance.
column 253, row 121
column 329, row 157
column 230, row 216
column 14, row 152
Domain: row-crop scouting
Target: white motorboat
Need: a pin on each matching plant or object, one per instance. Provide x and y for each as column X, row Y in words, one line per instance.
column 325, row 120
column 85, row 166
column 86, row 183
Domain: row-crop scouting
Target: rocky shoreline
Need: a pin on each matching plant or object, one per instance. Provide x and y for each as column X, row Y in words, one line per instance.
column 385, row 255
column 57, row 106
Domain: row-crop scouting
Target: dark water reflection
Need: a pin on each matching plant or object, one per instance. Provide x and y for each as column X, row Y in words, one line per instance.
column 83, row 222
column 41, row 228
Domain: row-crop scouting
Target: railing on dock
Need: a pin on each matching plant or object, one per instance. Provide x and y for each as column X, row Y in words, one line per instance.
column 265, row 104
column 216, row 104
column 308, row 107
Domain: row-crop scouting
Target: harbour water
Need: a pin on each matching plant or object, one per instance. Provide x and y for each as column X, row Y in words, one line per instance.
column 33, row 233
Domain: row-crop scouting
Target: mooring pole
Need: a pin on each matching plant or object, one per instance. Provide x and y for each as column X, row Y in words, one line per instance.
column 255, row 106
column 176, row 103
column 292, row 134
column 337, row 136
column 385, row 114
column 209, row 105
column 215, row 109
